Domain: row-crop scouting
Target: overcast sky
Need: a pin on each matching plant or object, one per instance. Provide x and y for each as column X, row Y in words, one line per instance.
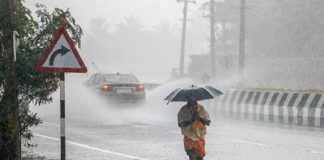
column 150, row 12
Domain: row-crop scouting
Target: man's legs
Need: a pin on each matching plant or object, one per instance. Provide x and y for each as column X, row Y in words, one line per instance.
column 200, row 158
column 192, row 154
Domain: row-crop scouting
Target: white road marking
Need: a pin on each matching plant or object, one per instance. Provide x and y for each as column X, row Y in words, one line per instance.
column 249, row 143
column 92, row 148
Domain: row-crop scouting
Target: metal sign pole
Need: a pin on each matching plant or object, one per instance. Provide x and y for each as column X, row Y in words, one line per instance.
column 62, row 115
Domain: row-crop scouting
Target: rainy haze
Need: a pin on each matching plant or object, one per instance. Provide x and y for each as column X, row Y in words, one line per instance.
column 266, row 58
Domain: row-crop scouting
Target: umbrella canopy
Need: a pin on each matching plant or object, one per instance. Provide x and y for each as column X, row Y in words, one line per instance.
column 196, row 93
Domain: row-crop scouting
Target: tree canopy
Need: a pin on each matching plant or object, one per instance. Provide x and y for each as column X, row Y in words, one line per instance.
column 35, row 33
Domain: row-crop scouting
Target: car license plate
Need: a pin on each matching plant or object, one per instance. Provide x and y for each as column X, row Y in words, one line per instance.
column 124, row 90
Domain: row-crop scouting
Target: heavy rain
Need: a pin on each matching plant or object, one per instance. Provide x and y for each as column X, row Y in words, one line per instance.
column 264, row 58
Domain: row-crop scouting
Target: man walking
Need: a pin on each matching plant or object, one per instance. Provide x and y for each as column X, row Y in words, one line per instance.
column 193, row 118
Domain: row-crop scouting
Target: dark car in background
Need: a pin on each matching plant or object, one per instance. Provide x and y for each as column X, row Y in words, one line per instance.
column 118, row 87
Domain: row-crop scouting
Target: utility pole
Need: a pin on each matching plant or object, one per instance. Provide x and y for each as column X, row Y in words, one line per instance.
column 9, row 125
column 242, row 37
column 212, row 38
column 183, row 36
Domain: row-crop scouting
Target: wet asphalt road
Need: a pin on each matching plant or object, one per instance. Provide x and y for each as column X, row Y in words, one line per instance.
column 226, row 139
column 97, row 131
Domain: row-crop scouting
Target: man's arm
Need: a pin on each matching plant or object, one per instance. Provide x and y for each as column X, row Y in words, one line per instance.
column 184, row 124
column 204, row 116
column 204, row 121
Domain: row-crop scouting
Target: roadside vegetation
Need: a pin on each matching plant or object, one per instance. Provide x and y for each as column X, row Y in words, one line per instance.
column 35, row 33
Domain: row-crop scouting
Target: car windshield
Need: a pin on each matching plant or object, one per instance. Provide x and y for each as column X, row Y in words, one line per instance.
column 121, row 78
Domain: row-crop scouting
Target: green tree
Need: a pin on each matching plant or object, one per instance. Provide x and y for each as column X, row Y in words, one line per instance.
column 35, row 35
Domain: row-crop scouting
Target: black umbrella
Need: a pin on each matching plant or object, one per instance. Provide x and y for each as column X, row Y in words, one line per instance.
column 196, row 93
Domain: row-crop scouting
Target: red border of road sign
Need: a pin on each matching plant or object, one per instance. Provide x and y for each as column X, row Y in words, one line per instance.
column 45, row 55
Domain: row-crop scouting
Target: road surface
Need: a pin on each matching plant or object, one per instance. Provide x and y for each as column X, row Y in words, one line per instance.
column 226, row 139
column 98, row 131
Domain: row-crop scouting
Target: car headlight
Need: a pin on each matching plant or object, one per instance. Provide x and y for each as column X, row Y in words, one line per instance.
column 106, row 88
column 140, row 88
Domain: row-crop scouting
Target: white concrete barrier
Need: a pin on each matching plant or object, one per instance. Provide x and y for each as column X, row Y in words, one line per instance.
column 272, row 106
